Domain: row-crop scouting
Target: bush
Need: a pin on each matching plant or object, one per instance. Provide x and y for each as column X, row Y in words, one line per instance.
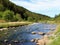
column 18, row 17
column 8, row 15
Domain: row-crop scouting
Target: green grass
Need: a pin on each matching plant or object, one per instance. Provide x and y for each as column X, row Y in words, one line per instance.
column 57, row 29
column 13, row 24
column 57, row 40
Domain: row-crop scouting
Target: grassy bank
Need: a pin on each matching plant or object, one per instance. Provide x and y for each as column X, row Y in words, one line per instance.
column 56, row 39
column 13, row 24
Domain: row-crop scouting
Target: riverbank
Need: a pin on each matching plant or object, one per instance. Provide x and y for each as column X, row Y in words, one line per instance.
column 55, row 38
column 48, row 37
column 12, row 24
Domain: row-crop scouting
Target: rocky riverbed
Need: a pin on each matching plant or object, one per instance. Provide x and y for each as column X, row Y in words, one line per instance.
column 34, row 34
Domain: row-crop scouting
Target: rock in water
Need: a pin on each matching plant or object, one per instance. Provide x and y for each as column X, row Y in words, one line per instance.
column 33, row 32
column 33, row 40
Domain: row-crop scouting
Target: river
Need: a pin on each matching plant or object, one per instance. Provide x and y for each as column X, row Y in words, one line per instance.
column 23, row 34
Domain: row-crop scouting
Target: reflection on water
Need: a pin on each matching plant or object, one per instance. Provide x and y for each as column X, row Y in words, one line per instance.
column 23, row 33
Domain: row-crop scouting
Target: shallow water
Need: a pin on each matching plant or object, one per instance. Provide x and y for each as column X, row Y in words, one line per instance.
column 23, row 33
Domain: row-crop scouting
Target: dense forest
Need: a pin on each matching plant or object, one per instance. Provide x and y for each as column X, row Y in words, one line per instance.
column 12, row 12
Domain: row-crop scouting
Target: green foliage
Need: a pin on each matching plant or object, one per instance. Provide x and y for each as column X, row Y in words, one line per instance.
column 57, row 18
column 1, row 15
column 8, row 15
column 18, row 17
column 2, row 8
column 12, row 12
column 25, row 16
column 30, row 19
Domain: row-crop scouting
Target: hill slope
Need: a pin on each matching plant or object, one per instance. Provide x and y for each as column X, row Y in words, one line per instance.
column 24, row 13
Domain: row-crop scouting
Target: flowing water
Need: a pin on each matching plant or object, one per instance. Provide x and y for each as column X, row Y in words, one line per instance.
column 24, row 36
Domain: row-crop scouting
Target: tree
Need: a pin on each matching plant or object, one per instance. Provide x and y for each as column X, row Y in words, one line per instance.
column 2, row 8
column 8, row 15
column 18, row 17
column 1, row 15
column 30, row 19
column 25, row 16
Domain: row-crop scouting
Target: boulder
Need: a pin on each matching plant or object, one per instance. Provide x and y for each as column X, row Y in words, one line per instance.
column 5, row 40
column 15, row 30
column 33, row 32
column 36, row 40
column 40, row 42
column 16, row 41
column 9, row 44
column 46, row 39
column 40, row 33
column 5, row 28
column 1, row 29
column 33, row 40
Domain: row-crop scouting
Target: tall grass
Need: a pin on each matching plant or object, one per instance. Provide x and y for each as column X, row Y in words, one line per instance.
column 56, row 40
column 11, row 24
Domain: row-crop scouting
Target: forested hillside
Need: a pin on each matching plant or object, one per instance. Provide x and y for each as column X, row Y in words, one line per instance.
column 11, row 12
